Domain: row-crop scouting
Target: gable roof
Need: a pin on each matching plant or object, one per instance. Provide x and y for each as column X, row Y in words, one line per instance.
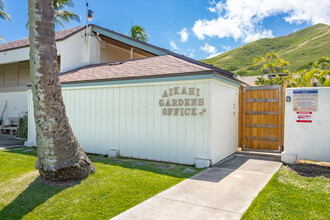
column 158, row 66
column 59, row 35
column 161, row 51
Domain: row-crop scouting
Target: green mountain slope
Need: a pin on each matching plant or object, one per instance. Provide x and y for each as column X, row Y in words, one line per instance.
column 299, row 48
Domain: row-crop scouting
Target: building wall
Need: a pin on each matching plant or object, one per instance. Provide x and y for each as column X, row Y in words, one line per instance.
column 17, row 104
column 14, row 76
column 129, row 118
column 308, row 140
column 224, row 120
column 111, row 52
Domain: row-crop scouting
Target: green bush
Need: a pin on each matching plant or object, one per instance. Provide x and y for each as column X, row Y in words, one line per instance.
column 22, row 129
column 241, row 72
column 232, row 68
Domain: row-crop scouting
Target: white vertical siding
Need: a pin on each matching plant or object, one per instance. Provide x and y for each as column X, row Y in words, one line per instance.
column 129, row 118
column 17, row 103
column 224, row 120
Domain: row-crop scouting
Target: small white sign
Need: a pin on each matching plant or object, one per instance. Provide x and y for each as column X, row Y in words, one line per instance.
column 305, row 100
column 304, row 117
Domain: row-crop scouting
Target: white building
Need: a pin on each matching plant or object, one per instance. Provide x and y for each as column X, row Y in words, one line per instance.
column 130, row 97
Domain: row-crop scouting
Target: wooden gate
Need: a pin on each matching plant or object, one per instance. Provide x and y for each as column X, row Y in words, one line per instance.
column 261, row 123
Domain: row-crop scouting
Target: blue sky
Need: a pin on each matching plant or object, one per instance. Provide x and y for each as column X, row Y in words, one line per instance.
column 195, row 28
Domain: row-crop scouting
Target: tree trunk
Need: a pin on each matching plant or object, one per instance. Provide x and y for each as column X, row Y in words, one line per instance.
column 60, row 157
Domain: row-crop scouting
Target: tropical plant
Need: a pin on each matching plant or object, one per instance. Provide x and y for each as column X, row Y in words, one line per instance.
column 22, row 129
column 137, row 32
column 60, row 157
column 318, row 74
column 274, row 66
column 277, row 80
column 62, row 15
column 3, row 15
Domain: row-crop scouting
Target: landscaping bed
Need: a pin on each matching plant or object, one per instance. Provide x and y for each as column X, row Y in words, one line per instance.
column 300, row 191
column 117, row 185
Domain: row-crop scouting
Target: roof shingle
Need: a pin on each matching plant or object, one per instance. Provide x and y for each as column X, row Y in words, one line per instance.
column 59, row 35
column 146, row 67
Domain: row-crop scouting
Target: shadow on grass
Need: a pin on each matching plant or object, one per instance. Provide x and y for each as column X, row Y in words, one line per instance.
column 34, row 195
column 163, row 168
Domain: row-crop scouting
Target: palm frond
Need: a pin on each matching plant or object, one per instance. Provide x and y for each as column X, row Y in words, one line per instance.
column 67, row 16
column 3, row 14
column 61, row 15
column 58, row 21
column 138, row 32
column 60, row 4
column 1, row 38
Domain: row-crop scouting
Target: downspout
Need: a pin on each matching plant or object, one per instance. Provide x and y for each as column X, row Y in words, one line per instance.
column 132, row 53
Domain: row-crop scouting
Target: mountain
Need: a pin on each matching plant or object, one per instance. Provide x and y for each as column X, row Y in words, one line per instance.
column 299, row 48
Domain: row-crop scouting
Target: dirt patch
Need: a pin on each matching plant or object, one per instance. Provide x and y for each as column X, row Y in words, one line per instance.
column 311, row 168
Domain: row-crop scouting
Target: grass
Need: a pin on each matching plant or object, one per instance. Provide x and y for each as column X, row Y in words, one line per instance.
column 299, row 191
column 115, row 187
column 299, row 48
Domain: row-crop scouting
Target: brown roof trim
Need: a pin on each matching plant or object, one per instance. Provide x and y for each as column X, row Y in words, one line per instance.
column 101, row 64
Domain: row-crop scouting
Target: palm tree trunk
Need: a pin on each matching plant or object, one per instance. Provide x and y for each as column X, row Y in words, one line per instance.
column 60, row 157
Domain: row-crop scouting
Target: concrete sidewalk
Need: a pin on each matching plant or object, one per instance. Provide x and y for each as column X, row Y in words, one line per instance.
column 8, row 141
column 223, row 191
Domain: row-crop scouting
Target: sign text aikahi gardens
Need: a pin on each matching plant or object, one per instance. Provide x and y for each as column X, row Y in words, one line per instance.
column 182, row 101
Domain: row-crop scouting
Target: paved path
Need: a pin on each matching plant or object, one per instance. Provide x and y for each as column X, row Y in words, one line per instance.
column 224, row 191
column 8, row 141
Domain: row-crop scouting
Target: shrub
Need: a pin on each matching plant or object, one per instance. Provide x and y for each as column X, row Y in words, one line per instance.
column 241, row 72
column 232, row 68
column 22, row 129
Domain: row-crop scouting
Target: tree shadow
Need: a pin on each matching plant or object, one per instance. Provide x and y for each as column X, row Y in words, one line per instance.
column 34, row 195
column 158, row 167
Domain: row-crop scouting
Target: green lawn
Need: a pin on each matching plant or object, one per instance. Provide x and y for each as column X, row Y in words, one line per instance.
column 300, row 191
column 115, row 187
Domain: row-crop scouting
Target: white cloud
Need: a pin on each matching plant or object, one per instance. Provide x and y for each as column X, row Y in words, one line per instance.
column 191, row 53
column 184, row 35
column 242, row 19
column 226, row 48
column 213, row 55
column 209, row 49
column 211, row 9
column 173, row 45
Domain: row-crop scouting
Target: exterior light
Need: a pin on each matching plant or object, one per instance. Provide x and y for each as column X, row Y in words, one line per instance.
column 90, row 15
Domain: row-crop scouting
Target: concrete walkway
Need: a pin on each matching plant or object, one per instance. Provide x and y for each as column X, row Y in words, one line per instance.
column 223, row 191
column 8, row 141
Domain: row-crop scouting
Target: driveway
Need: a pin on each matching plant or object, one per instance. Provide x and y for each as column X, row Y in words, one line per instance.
column 8, row 141
column 223, row 191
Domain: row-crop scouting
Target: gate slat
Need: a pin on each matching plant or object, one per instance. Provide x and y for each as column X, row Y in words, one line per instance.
column 262, row 112
column 262, row 125
column 261, row 138
column 261, row 100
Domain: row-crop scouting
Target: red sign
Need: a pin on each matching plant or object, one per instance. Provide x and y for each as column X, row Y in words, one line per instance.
column 304, row 117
